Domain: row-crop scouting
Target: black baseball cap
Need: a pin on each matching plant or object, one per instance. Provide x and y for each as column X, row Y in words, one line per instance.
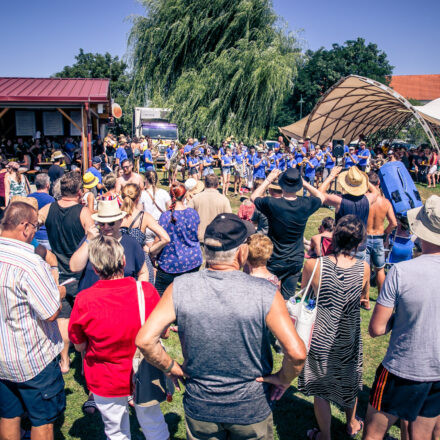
column 290, row 181
column 229, row 230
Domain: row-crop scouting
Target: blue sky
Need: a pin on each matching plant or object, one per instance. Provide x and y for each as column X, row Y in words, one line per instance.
column 38, row 38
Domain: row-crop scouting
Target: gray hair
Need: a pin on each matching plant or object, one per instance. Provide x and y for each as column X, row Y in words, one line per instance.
column 56, row 189
column 216, row 257
column 42, row 181
column 106, row 255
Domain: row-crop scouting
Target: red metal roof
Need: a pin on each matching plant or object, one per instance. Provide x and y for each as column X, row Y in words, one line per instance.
column 54, row 90
column 420, row 87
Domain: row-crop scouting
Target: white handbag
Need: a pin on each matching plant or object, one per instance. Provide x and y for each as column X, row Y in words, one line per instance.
column 303, row 316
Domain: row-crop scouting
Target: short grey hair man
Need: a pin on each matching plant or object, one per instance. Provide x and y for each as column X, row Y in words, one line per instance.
column 42, row 182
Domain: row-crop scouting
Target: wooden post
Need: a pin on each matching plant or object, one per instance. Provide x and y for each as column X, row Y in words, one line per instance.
column 69, row 119
column 2, row 113
column 85, row 160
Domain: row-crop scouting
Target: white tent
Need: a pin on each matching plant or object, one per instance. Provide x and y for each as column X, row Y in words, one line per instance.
column 430, row 111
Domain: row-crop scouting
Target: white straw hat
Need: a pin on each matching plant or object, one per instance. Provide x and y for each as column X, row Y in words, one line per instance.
column 108, row 211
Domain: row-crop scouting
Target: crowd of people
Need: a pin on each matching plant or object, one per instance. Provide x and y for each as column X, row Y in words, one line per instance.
column 106, row 260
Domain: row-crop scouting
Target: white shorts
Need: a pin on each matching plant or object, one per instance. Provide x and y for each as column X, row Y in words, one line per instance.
column 432, row 169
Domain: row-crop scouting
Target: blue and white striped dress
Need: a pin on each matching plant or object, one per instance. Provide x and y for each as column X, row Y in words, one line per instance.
column 333, row 369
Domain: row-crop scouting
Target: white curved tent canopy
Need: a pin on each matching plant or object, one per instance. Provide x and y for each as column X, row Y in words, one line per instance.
column 360, row 106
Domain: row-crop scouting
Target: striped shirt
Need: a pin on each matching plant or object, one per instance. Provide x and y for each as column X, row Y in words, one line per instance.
column 28, row 297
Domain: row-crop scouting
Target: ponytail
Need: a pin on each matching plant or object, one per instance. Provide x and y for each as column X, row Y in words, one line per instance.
column 130, row 195
column 177, row 193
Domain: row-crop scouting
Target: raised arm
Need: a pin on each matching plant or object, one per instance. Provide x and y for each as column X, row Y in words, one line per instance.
column 261, row 190
column 331, row 199
column 313, row 191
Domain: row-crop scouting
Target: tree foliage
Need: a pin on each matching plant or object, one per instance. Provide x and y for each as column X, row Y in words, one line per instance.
column 95, row 65
column 223, row 66
column 323, row 68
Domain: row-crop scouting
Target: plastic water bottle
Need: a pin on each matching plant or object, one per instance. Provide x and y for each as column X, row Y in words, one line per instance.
column 311, row 305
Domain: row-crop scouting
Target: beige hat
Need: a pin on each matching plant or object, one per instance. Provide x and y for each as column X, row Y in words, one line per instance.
column 29, row 200
column 425, row 220
column 57, row 155
column 108, row 211
column 354, row 181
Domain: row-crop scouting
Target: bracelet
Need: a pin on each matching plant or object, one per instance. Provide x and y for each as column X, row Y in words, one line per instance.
column 54, row 267
column 167, row 370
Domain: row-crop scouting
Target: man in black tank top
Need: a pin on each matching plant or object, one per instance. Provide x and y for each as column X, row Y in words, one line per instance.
column 66, row 222
column 358, row 195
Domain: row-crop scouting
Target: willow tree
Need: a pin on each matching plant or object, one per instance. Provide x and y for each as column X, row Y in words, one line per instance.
column 223, row 66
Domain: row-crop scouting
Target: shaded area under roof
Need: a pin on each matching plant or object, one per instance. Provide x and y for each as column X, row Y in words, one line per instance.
column 357, row 106
column 54, row 90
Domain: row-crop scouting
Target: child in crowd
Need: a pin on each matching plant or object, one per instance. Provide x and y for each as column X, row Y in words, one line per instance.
column 260, row 250
column 320, row 244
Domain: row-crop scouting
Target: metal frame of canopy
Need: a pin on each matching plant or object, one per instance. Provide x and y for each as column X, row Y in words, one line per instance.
column 357, row 105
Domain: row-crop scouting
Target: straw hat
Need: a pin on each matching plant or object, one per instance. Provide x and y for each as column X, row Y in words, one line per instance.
column 56, row 155
column 90, row 180
column 13, row 165
column 425, row 220
column 29, row 200
column 354, row 181
column 108, row 211
column 194, row 186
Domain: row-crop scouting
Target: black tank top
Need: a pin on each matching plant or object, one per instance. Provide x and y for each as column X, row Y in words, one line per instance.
column 65, row 231
column 358, row 206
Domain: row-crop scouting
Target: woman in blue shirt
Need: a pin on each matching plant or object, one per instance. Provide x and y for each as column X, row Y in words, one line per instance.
column 208, row 163
column 193, row 165
column 240, row 169
column 350, row 159
column 183, row 254
column 226, row 170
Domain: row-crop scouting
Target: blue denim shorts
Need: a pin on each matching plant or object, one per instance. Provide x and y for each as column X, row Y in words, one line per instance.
column 375, row 251
column 42, row 397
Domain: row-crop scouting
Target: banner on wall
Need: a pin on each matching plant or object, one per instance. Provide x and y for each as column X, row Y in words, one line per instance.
column 76, row 116
column 25, row 123
column 53, row 124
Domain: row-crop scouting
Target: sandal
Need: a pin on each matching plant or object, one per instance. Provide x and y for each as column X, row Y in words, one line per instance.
column 89, row 406
column 361, row 427
column 312, row 434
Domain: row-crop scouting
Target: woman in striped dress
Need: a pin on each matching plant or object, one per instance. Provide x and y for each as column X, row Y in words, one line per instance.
column 333, row 369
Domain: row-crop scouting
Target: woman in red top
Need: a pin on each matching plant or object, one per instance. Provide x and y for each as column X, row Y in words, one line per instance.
column 104, row 322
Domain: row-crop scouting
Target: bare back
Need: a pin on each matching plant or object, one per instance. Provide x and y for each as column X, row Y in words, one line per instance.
column 376, row 217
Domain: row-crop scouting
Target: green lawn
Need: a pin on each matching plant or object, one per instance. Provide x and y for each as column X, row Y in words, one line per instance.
column 293, row 414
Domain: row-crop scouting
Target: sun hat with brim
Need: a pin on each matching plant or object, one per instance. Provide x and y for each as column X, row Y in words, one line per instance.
column 90, row 180
column 108, row 211
column 13, row 165
column 275, row 185
column 290, row 181
column 200, row 186
column 425, row 220
column 57, row 155
column 190, row 184
column 260, row 150
column 354, row 181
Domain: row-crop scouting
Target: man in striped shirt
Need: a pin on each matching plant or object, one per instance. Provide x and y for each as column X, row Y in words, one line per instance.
column 30, row 375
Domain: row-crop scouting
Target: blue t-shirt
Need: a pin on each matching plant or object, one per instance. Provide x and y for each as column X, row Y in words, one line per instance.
column 291, row 163
column 300, row 155
column 319, row 155
column 96, row 173
column 121, row 154
column 183, row 253
column 43, row 199
column 148, row 156
column 329, row 163
column 134, row 260
column 349, row 163
column 259, row 172
column 309, row 171
column 187, row 148
column 227, row 161
column 192, row 161
column 280, row 157
column 250, row 158
column 170, row 152
column 208, row 160
column 239, row 158
column 271, row 164
column 363, row 156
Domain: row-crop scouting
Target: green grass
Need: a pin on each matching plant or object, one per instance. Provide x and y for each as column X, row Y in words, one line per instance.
column 293, row 414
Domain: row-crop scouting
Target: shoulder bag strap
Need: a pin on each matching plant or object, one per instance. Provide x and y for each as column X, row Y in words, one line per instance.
column 141, row 301
column 306, row 290
column 320, row 259
column 154, row 201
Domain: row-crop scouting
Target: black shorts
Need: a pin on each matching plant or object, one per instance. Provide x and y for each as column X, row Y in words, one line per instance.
column 42, row 397
column 404, row 398
column 68, row 301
